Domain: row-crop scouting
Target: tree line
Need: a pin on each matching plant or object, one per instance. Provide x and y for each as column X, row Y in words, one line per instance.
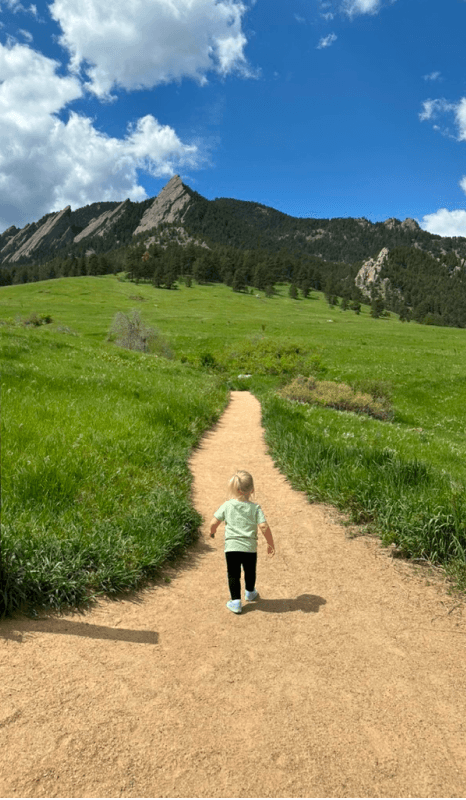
column 412, row 283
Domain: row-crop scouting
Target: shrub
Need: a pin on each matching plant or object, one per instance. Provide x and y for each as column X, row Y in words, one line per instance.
column 208, row 360
column 129, row 331
column 335, row 395
column 38, row 319
column 264, row 356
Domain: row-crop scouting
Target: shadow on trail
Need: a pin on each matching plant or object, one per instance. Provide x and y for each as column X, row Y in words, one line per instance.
column 309, row 603
column 22, row 630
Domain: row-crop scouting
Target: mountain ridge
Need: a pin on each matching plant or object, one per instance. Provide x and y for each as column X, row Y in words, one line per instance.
column 100, row 227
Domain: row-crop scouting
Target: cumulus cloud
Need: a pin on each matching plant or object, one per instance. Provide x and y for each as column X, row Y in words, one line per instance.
column 445, row 223
column 47, row 163
column 148, row 42
column 326, row 41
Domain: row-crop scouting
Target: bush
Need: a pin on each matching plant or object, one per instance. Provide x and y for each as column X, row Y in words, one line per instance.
column 208, row 360
column 38, row 319
column 129, row 331
column 264, row 356
column 335, row 395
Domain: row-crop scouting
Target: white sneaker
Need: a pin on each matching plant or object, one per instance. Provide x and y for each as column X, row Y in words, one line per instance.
column 252, row 595
column 235, row 606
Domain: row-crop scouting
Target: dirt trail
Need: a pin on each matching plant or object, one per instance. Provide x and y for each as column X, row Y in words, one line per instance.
column 347, row 679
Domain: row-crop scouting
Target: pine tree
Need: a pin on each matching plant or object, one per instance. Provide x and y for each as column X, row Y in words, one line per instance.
column 93, row 265
column 239, row 281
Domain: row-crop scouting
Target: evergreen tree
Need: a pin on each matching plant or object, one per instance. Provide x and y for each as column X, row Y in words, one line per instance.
column 305, row 287
column 93, row 265
column 377, row 303
column 239, row 281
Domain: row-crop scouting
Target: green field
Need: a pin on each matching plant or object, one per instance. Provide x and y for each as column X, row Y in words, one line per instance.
column 85, row 461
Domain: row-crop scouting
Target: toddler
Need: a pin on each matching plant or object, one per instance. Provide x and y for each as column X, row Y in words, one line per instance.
column 242, row 518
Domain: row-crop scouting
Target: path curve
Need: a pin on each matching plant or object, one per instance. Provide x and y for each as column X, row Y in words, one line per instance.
column 347, row 679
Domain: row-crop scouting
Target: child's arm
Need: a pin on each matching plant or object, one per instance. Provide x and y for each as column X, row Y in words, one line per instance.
column 214, row 523
column 264, row 528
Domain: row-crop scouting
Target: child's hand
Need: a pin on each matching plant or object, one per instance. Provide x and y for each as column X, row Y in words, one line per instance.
column 270, row 550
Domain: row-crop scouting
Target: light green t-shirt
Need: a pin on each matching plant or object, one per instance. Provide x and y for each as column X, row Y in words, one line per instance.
column 241, row 519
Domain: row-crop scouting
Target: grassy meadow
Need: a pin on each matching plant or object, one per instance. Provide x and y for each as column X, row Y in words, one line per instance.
column 96, row 488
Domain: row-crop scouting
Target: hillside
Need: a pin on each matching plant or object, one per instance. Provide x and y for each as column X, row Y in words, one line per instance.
column 421, row 276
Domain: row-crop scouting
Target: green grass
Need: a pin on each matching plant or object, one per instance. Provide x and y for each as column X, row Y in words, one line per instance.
column 408, row 502
column 96, row 488
column 108, row 432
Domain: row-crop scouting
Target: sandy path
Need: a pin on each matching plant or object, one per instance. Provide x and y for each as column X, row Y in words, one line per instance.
column 347, row 679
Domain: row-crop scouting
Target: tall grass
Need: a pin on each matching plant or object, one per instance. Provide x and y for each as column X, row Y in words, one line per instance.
column 96, row 487
column 406, row 501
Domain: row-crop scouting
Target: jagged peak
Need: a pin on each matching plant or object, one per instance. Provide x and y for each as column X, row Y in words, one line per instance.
column 167, row 206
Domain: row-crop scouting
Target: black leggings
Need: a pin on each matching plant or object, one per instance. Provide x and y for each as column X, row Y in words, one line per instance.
column 234, row 561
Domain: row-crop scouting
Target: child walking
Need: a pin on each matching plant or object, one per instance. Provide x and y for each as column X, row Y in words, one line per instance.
column 242, row 518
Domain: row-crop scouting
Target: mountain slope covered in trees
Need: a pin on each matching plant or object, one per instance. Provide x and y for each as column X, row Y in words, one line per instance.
column 245, row 244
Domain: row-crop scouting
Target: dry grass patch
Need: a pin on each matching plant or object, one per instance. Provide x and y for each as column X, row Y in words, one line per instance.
column 335, row 395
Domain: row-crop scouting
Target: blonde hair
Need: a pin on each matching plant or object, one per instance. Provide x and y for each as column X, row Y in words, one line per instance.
column 241, row 484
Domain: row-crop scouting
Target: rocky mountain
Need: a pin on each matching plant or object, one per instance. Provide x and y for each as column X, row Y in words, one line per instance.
column 245, row 225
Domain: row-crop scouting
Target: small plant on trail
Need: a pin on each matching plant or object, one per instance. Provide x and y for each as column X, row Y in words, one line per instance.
column 129, row 331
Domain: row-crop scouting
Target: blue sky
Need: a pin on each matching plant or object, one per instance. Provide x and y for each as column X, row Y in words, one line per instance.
column 319, row 108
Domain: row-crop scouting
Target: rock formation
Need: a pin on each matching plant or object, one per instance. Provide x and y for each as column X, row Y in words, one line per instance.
column 369, row 273
column 103, row 223
column 167, row 206
column 32, row 236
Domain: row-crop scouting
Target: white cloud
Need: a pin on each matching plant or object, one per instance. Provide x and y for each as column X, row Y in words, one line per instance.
column 299, row 19
column 353, row 7
column 47, row 163
column 16, row 6
column 26, row 35
column 328, row 16
column 433, row 76
column 445, row 223
column 143, row 43
column 326, row 41
column 460, row 118
column 432, row 109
